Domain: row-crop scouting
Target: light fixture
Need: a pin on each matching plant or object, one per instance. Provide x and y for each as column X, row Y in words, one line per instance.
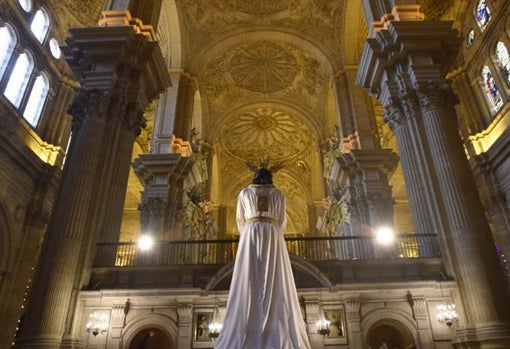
column 98, row 322
column 323, row 327
column 214, row 329
column 216, row 325
column 145, row 242
column 446, row 312
column 384, row 236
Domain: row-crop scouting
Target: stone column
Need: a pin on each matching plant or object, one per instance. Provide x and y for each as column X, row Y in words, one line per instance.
column 482, row 160
column 121, row 70
column 406, row 73
column 154, row 171
column 370, row 193
column 494, row 200
column 361, row 158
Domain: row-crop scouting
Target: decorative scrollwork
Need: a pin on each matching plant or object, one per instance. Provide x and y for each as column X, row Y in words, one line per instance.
column 263, row 67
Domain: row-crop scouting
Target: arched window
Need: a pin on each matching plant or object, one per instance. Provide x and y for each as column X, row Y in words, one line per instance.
column 40, row 24
column 503, row 60
column 470, row 38
column 26, row 5
column 7, row 43
column 491, row 89
column 36, row 100
column 483, row 14
column 18, row 79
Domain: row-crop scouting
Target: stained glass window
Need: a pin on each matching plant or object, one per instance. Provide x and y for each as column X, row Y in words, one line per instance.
column 36, row 100
column 483, row 14
column 491, row 89
column 503, row 60
column 18, row 79
column 470, row 38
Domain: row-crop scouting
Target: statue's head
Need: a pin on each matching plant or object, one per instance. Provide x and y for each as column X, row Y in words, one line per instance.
column 262, row 176
column 263, row 173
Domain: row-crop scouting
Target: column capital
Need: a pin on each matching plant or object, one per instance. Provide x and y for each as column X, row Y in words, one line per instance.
column 120, row 70
column 420, row 50
column 149, row 167
column 383, row 160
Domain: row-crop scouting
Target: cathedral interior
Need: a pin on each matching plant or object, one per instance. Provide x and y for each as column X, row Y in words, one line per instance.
column 125, row 130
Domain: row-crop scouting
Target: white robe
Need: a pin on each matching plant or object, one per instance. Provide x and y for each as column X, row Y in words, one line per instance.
column 263, row 309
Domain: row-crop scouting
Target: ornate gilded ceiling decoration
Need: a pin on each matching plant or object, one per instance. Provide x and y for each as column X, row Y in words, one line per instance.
column 79, row 13
column 204, row 21
column 264, row 129
column 256, row 70
column 262, row 7
column 263, row 67
column 434, row 9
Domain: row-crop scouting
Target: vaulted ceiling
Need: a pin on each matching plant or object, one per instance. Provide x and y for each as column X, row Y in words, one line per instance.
column 262, row 70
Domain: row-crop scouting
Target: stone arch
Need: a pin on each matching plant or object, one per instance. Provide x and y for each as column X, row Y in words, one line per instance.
column 163, row 324
column 306, row 275
column 169, row 22
column 151, row 338
column 391, row 333
column 390, row 325
column 241, row 37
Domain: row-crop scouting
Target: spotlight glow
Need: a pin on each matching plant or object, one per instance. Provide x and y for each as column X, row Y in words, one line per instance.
column 145, row 243
column 384, row 236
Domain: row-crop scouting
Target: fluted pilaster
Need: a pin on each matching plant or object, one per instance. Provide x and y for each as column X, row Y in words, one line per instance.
column 185, row 324
column 353, row 318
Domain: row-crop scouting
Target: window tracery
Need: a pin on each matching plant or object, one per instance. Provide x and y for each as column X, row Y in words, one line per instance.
column 483, row 14
column 23, row 85
column 503, row 60
column 7, row 43
column 18, row 80
column 36, row 100
column 491, row 89
column 40, row 24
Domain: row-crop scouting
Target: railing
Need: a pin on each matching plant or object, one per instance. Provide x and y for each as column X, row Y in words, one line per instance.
column 313, row 249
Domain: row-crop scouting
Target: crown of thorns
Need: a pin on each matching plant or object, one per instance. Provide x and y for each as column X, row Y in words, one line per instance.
column 264, row 164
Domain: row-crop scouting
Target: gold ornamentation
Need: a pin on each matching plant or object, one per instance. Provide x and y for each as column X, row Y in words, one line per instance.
column 244, row 138
column 263, row 67
column 262, row 7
